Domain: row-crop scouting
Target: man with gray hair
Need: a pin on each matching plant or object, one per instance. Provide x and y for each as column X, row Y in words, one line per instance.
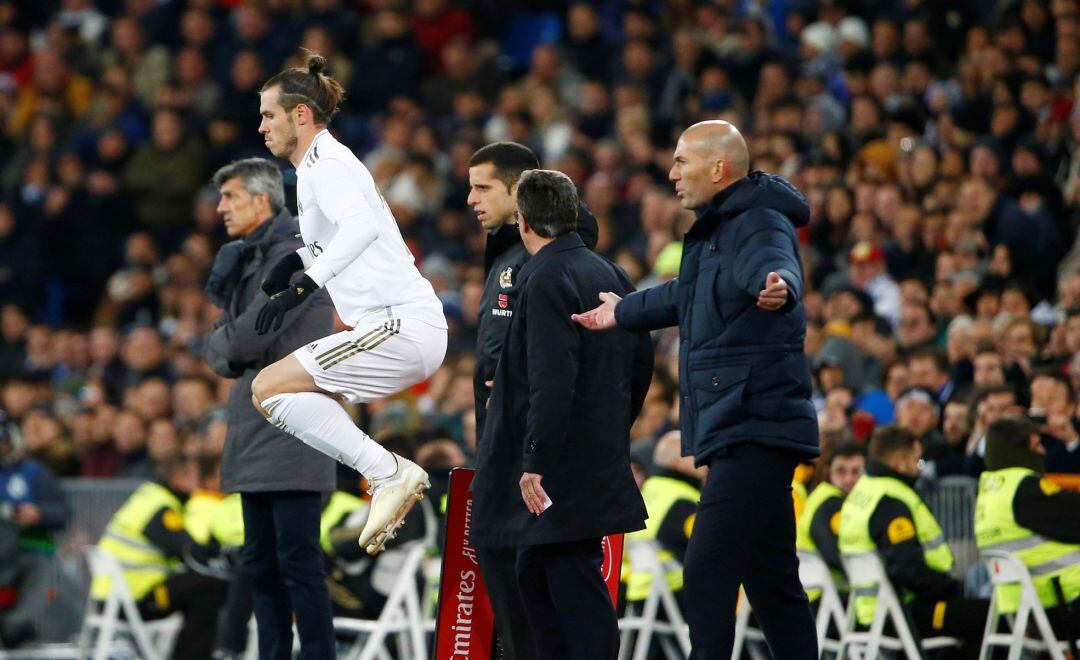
column 281, row 481
column 553, row 467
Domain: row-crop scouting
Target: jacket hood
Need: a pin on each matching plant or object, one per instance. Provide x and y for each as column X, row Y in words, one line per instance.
column 587, row 227
column 760, row 190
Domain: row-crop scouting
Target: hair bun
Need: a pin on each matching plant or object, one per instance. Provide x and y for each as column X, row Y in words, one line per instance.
column 316, row 64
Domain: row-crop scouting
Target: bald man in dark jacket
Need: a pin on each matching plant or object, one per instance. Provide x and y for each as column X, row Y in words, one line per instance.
column 745, row 385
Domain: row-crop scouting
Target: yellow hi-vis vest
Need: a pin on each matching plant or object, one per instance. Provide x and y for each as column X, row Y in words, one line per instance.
column 660, row 494
column 340, row 505
column 824, row 492
column 855, row 537
column 996, row 529
column 199, row 513
column 227, row 525
column 144, row 565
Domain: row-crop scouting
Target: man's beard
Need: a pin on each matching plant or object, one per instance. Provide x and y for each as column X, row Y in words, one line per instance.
column 289, row 144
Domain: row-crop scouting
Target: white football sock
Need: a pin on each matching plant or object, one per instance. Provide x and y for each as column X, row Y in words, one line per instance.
column 320, row 422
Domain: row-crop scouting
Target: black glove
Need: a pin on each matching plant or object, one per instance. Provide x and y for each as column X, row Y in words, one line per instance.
column 277, row 280
column 273, row 312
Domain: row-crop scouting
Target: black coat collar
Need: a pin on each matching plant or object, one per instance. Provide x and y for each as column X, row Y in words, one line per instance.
column 563, row 243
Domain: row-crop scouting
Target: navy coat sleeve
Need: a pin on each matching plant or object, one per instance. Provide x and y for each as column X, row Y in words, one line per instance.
column 553, row 343
column 767, row 246
column 650, row 309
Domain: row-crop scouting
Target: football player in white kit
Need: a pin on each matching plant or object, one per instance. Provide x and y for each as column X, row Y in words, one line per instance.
column 354, row 248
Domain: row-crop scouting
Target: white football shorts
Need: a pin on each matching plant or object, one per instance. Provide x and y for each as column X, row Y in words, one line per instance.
column 376, row 359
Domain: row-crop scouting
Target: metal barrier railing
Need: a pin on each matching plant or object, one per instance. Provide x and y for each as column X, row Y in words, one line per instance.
column 952, row 500
column 93, row 502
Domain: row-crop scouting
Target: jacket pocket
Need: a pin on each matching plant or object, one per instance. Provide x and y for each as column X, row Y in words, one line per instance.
column 718, row 395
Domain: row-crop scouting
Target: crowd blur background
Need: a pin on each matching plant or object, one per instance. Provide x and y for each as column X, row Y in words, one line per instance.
column 937, row 143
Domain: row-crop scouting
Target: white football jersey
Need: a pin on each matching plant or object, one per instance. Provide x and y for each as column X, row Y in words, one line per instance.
column 353, row 245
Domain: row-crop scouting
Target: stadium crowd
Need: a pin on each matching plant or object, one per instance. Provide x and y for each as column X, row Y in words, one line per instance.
column 937, row 144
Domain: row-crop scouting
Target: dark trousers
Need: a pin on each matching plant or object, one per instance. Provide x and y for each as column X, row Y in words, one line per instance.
column 199, row 598
column 744, row 534
column 285, row 564
column 567, row 602
column 962, row 618
column 498, row 567
column 232, row 627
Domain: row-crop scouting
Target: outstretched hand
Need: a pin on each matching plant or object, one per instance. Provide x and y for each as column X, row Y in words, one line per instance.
column 601, row 318
column 775, row 293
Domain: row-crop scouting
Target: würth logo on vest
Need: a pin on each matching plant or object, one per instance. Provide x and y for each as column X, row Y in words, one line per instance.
column 503, row 300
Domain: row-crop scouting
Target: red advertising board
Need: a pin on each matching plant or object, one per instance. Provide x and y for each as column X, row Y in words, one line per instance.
column 465, row 627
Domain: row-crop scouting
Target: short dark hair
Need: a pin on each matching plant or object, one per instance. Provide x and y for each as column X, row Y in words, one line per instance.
column 257, row 176
column 1056, row 376
column 548, row 201
column 1010, row 430
column 172, row 463
column 940, row 362
column 509, row 159
column 890, row 440
column 310, row 86
column 846, row 449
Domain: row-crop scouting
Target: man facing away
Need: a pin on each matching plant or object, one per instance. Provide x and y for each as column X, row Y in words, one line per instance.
column 1019, row 511
column 554, row 472
column 493, row 175
column 745, row 385
column 354, row 248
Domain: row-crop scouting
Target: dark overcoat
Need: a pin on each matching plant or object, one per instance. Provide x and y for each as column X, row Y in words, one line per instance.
column 561, row 406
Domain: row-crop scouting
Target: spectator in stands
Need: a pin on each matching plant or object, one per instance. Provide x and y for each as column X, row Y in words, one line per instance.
column 163, row 176
column 990, row 406
column 32, row 510
column 1021, row 512
column 147, row 534
column 989, row 370
column 929, row 370
column 867, row 273
column 918, row 411
column 1053, row 408
column 884, row 514
column 956, row 428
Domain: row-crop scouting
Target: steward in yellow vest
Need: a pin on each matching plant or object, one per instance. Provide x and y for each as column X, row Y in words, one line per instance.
column 884, row 514
column 817, row 529
column 1020, row 512
column 148, row 538
column 671, row 498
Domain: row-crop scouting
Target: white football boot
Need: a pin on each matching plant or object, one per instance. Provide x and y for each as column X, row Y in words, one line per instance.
column 391, row 499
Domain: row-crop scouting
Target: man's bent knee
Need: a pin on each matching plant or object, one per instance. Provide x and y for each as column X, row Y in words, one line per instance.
column 286, row 376
column 261, row 388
